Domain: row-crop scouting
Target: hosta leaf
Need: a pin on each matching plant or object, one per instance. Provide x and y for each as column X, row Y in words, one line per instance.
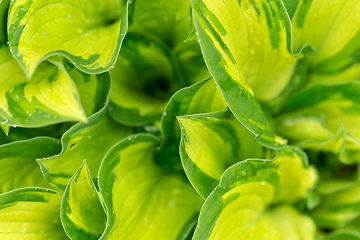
column 335, row 36
column 346, row 234
column 93, row 89
column 142, row 200
column 351, row 73
column 166, row 21
column 199, row 98
column 239, row 64
column 5, row 128
column 170, row 22
column 319, row 111
column 18, row 167
column 84, row 141
column 49, row 97
column 239, row 207
column 82, row 214
column 4, row 7
column 212, row 142
column 291, row 6
column 88, row 33
column 143, row 79
column 30, row 213
column 338, row 207
column 20, row 134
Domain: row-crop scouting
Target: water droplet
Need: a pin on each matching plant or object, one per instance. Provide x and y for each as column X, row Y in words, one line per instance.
column 17, row 96
column 43, row 33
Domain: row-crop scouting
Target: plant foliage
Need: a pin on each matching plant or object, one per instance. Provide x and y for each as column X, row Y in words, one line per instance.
column 180, row 120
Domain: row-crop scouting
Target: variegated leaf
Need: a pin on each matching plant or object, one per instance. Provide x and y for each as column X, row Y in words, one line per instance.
column 238, row 40
column 142, row 199
column 84, row 141
column 82, row 214
column 88, row 33
column 212, row 142
column 240, row 207
column 30, row 213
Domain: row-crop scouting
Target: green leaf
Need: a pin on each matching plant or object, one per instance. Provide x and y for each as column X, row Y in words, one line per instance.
column 49, row 97
column 20, row 134
column 169, row 23
column 344, row 234
column 88, row 141
column 5, row 128
column 315, row 115
column 239, row 64
column 333, row 29
column 4, row 7
column 82, row 214
column 88, row 33
column 143, row 200
column 166, row 21
column 18, row 166
column 338, row 206
column 291, row 6
column 212, row 142
column 143, row 79
column 93, row 89
column 239, row 208
column 199, row 98
column 31, row 213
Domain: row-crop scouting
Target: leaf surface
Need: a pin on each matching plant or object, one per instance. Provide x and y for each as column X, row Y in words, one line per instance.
column 199, row 98
column 82, row 214
column 84, row 141
column 238, row 39
column 239, row 207
column 333, row 29
column 142, row 200
column 88, row 33
column 143, row 79
column 18, row 162
column 30, row 213
column 318, row 112
column 212, row 142
column 49, row 97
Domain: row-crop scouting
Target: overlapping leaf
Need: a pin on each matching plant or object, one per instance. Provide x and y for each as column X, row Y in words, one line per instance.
column 339, row 204
column 50, row 97
column 333, row 29
column 88, row 33
column 143, row 80
column 238, row 40
column 212, row 142
column 30, row 213
column 199, row 98
column 143, row 200
column 18, row 162
column 169, row 23
column 82, row 214
column 84, row 141
column 317, row 113
column 239, row 207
